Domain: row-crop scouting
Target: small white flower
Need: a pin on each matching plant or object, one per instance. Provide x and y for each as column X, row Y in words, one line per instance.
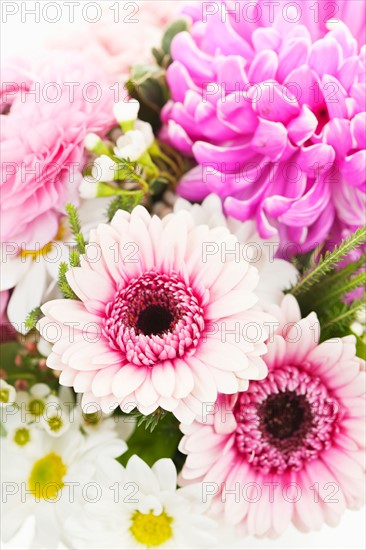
column 131, row 145
column 55, row 419
column 91, row 141
column 104, row 169
column 19, row 434
column 150, row 512
column 53, row 477
column 88, row 188
column 126, row 111
column 7, row 393
column 33, row 403
column 147, row 131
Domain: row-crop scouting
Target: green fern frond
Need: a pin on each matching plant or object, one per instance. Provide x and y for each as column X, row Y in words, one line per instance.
column 327, row 262
column 74, row 222
column 63, row 284
column 32, row 318
column 124, row 202
column 338, row 319
column 151, row 421
column 337, row 291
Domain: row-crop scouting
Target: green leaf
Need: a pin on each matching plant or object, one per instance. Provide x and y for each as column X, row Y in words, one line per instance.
column 158, row 185
column 150, row 446
column 148, row 85
column 176, row 27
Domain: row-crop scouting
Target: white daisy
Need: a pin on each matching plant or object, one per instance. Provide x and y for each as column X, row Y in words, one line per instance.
column 276, row 275
column 144, row 509
column 52, row 479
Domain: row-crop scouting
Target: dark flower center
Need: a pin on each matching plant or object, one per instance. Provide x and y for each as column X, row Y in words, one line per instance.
column 285, row 419
column 155, row 319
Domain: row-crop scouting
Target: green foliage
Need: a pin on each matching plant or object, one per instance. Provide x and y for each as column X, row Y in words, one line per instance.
column 124, row 202
column 150, row 421
column 63, row 284
column 335, row 321
column 323, row 286
column 150, row 445
column 163, row 54
column 21, row 363
column 75, row 226
column 8, row 352
column 32, row 318
column 326, row 264
column 147, row 84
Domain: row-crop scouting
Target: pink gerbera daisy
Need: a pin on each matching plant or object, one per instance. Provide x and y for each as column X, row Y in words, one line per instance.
column 158, row 324
column 290, row 449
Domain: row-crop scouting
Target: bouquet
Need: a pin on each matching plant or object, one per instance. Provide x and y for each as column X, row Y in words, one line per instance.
column 183, row 276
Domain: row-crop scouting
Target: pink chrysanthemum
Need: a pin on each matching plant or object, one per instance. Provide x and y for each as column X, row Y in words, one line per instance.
column 291, row 447
column 274, row 117
column 153, row 325
column 47, row 107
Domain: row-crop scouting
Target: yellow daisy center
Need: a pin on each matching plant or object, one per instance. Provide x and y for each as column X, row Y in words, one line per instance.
column 4, row 395
column 151, row 530
column 46, row 477
column 22, row 436
column 24, row 253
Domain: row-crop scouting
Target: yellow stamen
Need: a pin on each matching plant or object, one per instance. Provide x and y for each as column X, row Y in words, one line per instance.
column 4, row 395
column 36, row 253
column 151, row 530
column 22, row 436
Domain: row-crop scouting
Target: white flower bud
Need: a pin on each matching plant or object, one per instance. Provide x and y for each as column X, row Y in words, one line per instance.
column 88, row 188
column 104, row 169
column 131, row 145
column 91, row 141
column 147, row 132
column 126, row 111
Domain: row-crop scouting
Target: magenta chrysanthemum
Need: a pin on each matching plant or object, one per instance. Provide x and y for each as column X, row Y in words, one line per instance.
column 158, row 324
column 274, row 117
column 280, row 451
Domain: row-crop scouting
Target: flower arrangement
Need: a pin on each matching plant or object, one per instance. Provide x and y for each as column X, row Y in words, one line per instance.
column 183, row 336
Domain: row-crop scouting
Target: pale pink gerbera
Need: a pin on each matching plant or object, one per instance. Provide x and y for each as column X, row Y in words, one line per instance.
column 291, row 447
column 153, row 325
